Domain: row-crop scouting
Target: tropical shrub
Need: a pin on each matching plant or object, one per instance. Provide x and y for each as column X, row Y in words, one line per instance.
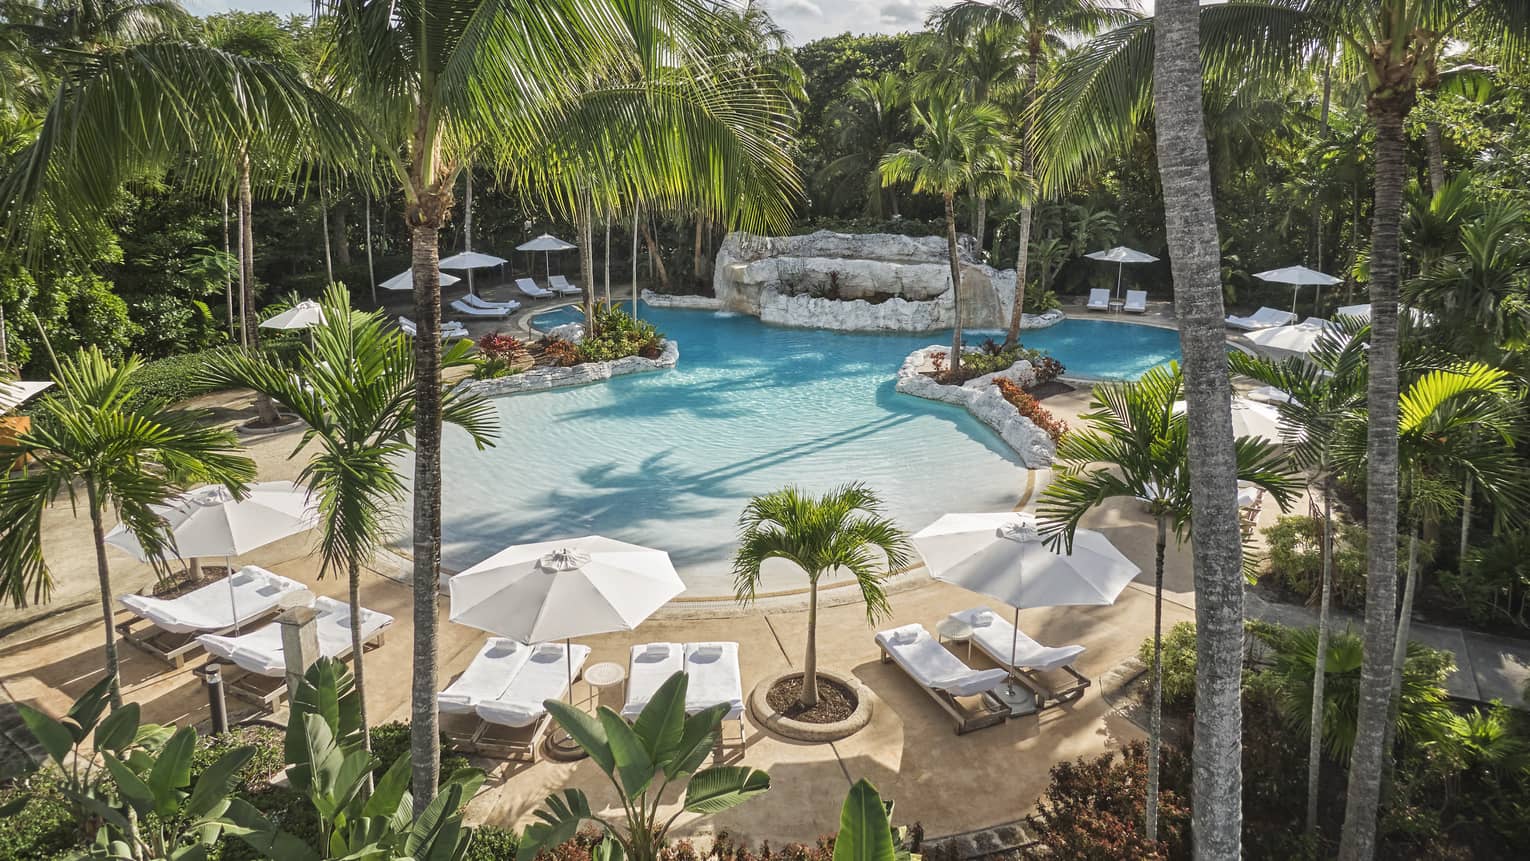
column 1028, row 406
column 171, row 379
column 493, row 843
column 1093, row 809
column 499, row 356
column 560, row 353
column 40, row 821
column 391, row 741
column 1040, row 301
column 1047, row 368
column 1295, row 556
column 1493, row 584
column 615, row 335
column 1178, row 659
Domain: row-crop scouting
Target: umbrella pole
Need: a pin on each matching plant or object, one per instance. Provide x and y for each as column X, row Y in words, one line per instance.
column 1014, row 648
column 233, row 603
column 1294, row 289
column 1120, row 267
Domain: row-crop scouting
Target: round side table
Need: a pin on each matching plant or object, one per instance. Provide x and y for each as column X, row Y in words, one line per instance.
column 604, row 675
column 956, row 631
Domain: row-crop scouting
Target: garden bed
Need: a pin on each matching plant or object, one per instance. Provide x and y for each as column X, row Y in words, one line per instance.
column 773, row 703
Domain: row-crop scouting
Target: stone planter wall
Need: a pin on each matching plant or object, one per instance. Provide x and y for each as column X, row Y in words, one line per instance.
column 982, row 399
column 665, row 300
column 541, row 379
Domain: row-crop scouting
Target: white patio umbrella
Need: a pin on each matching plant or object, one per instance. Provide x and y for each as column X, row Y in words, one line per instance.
column 13, row 395
column 1003, row 556
column 565, row 588
column 405, row 280
column 1299, row 277
column 546, row 243
column 1250, row 418
column 209, row 521
column 470, row 260
column 1121, row 255
column 304, row 315
column 1419, row 316
column 1297, row 339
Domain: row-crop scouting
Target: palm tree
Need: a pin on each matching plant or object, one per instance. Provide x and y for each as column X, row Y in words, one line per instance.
column 130, row 453
column 1138, row 445
column 843, row 530
column 866, row 124
column 1325, row 389
column 354, row 389
column 956, row 143
column 1043, row 28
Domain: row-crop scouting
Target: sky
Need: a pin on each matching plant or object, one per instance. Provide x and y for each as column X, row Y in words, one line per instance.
column 806, row 20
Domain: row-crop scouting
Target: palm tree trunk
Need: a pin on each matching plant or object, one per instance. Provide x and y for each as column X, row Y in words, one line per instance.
column 1434, row 140
column 637, row 211
column 980, row 222
column 1155, row 709
column 655, row 259
column 1027, row 171
column 606, row 247
column 265, row 410
column 584, row 218
column 1320, row 665
column 956, row 287
column 329, row 259
column 809, row 697
column 1400, row 650
column 1466, row 521
column 696, row 253
column 425, row 215
column 1358, row 842
column 104, row 578
column 228, row 279
column 371, row 271
column 339, row 228
column 1012, row 337
column 1190, row 218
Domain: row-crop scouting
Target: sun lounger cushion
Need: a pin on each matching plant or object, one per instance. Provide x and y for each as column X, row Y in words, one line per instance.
column 260, row 651
column 1265, row 318
column 1136, row 300
column 1099, row 299
column 256, row 592
column 560, row 284
column 530, row 288
column 650, row 666
column 544, row 676
column 932, row 665
column 714, row 678
column 462, row 307
column 997, row 636
column 486, row 677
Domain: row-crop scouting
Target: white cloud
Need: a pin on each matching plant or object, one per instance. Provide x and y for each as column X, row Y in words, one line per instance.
column 801, row 7
column 904, row 14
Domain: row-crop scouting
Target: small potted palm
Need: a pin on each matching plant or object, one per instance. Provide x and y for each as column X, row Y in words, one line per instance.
column 841, row 531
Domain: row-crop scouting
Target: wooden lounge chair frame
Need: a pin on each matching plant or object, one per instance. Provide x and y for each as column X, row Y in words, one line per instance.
column 168, row 646
column 268, row 691
column 990, row 712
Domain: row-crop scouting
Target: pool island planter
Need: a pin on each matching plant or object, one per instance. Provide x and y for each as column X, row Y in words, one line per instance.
column 543, row 379
column 982, row 399
column 817, row 733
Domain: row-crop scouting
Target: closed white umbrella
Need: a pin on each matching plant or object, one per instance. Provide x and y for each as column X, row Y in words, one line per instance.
column 303, row 315
column 1003, row 556
column 405, row 280
column 546, row 243
column 1121, row 255
column 1299, row 277
column 209, row 521
column 561, row 589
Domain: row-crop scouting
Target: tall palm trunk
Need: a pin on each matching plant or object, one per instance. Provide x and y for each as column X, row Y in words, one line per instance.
column 809, row 696
column 1027, row 170
column 637, row 212
column 228, row 278
column 1388, row 108
column 1320, row 661
column 1434, row 140
column 104, row 579
column 606, row 247
column 980, row 222
column 584, row 223
column 371, row 270
column 655, row 259
column 425, row 214
column 956, row 287
column 696, row 252
column 265, row 410
column 354, row 574
column 329, row 257
column 1190, row 218
column 1466, row 520
column 1400, row 646
column 1155, row 713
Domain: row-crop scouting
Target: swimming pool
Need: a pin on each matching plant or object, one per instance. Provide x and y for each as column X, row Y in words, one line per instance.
column 668, row 459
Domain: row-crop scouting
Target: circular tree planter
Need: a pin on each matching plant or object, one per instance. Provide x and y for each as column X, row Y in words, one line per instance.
column 252, row 427
column 772, row 719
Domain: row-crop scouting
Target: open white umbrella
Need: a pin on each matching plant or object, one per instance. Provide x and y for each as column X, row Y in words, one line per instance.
column 470, row 260
column 546, row 243
column 1297, row 339
column 13, row 395
column 209, row 521
column 1299, row 277
column 1121, row 255
column 1419, row 316
column 561, row 589
column 303, row 315
column 1003, row 556
column 405, row 280
column 1250, row 418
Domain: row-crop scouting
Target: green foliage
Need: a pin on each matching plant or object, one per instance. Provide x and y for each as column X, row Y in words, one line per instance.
column 1178, row 660
column 1093, row 809
column 617, row 336
column 390, row 741
column 1295, row 556
column 493, row 843
column 47, row 824
column 174, row 378
column 663, row 747
column 1493, row 585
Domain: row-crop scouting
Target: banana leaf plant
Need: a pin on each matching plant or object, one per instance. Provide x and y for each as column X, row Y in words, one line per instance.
column 642, row 760
column 328, row 763
column 865, row 833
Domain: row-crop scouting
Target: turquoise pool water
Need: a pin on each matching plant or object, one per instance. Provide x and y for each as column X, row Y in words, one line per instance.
column 668, row 459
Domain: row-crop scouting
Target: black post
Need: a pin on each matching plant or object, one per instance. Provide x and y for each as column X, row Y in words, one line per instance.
column 212, row 676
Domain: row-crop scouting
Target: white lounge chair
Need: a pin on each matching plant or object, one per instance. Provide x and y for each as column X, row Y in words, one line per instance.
column 649, row 666
column 713, row 678
column 488, row 304
column 560, row 284
column 1099, row 299
column 260, row 652
column 1265, row 318
column 225, row 605
column 486, row 678
column 1271, row 395
column 449, row 328
column 462, row 307
column 515, row 721
column 963, row 692
column 995, row 636
column 1136, row 301
column 530, row 288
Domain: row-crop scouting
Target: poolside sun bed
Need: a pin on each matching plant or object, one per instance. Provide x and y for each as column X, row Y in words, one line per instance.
column 530, row 288
column 462, row 307
column 489, row 305
column 516, row 720
column 486, row 678
column 995, row 636
column 648, row 667
column 173, row 623
column 1099, row 299
column 560, row 284
column 260, row 653
column 964, row 693
column 449, row 328
column 714, row 678
column 1136, row 302
column 1265, row 318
